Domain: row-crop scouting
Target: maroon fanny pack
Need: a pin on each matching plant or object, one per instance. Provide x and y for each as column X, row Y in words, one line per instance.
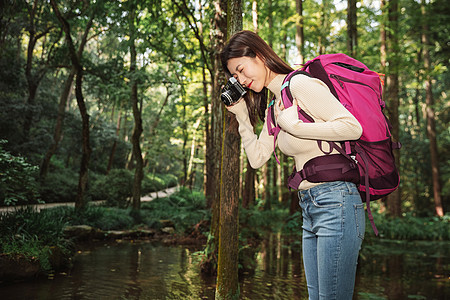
column 333, row 167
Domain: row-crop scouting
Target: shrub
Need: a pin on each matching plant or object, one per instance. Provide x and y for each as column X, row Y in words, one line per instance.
column 184, row 208
column 18, row 184
column 60, row 186
column 411, row 227
column 115, row 188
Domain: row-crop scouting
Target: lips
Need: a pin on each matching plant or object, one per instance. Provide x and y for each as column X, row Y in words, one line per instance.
column 250, row 84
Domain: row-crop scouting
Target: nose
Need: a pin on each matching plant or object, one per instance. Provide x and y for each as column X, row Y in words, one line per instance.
column 242, row 79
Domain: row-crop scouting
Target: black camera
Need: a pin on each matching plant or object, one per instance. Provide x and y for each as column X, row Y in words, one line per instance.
column 232, row 92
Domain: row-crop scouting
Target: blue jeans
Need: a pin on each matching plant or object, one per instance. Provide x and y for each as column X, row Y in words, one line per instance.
column 333, row 230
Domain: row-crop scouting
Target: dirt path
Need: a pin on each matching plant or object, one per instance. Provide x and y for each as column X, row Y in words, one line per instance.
column 38, row 207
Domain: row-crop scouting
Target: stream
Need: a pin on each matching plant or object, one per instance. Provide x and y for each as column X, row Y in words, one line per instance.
column 149, row 270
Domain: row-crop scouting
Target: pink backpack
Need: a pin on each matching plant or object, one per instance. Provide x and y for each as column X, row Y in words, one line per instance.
column 368, row 161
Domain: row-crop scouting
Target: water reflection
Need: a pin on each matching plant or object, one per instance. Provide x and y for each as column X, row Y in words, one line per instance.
column 145, row 270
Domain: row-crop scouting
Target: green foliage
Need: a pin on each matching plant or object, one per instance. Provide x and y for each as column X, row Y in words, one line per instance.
column 263, row 219
column 18, row 184
column 33, row 234
column 410, row 227
column 60, row 185
column 184, row 208
column 104, row 218
column 115, row 188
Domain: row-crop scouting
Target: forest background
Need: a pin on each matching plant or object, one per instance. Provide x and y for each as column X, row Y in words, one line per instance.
column 114, row 99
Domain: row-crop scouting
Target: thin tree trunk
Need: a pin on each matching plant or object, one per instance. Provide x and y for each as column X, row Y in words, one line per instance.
column 255, row 15
column 352, row 38
column 393, row 200
column 32, row 80
column 227, row 269
column 185, row 140
column 192, row 155
column 299, row 34
column 57, row 135
column 137, row 114
column 431, row 126
column 114, row 146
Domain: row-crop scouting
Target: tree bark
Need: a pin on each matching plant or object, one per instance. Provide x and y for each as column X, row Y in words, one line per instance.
column 430, row 114
column 248, row 195
column 227, row 269
column 80, row 202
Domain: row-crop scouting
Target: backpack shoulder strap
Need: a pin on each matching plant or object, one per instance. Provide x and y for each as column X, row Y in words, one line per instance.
column 317, row 70
column 287, row 98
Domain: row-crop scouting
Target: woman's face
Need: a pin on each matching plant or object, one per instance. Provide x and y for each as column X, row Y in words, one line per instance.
column 249, row 71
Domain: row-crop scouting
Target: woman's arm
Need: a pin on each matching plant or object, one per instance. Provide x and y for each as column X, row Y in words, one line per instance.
column 333, row 122
column 260, row 149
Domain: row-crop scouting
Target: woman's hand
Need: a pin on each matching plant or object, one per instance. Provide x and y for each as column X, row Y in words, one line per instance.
column 231, row 106
column 279, row 107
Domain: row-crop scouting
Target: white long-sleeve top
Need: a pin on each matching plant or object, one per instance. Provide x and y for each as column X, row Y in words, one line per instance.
column 333, row 122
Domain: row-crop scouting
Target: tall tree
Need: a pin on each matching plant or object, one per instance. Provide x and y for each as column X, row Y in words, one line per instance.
column 36, row 31
column 430, row 114
column 80, row 202
column 137, row 111
column 63, row 98
column 214, row 143
column 227, row 269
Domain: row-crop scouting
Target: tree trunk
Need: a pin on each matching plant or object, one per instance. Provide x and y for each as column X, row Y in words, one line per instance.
column 352, row 41
column 80, row 202
column 392, row 96
column 248, row 195
column 431, row 126
column 32, row 79
column 255, row 15
column 270, row 22
column 299, row 34
column 227, row 269
column 63, row 100
column 57, row 135
column 137, row 115
column 185, row 140
column 214, row 144
column 114, row 146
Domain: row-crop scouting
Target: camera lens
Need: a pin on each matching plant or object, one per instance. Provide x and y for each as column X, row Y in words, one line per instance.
column 226, row 98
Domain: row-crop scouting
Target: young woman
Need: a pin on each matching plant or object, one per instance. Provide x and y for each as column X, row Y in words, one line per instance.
column 333, row 213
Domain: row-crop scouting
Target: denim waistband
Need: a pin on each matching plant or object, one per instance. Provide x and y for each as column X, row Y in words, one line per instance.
column 329, row 187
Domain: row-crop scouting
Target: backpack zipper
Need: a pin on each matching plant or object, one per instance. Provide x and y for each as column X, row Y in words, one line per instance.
column 339, row 79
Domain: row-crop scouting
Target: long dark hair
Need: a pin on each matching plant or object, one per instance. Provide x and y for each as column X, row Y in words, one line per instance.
column 248, row 43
